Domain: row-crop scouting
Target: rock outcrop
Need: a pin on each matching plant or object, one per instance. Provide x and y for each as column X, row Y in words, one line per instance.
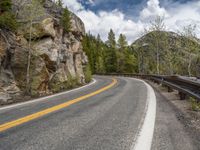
column 57, row 59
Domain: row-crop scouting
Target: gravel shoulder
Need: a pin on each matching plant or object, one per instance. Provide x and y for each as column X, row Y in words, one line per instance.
column 177, row 126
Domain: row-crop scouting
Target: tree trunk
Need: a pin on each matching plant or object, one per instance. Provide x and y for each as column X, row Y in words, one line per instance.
column 171, row 70
column 157, row 60
column 157, row 63
column 142, row 66
column 28, row 86
column 139, row 63
column 189, row 65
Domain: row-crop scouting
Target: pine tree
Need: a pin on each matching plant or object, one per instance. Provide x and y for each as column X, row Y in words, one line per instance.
column 103, row 56
column 130, row 64
column 122, row 46
column 122, row 43
column 111, row 57
column 111, row 39
column 66, row 20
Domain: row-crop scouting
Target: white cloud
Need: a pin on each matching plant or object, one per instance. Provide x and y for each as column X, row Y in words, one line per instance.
column 73, row 5
column 183, row 15
column 103, row 21
column 176, row 16
column 91, row 1
column 152, row 10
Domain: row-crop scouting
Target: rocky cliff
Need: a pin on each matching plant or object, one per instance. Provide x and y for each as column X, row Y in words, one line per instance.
column 57, row 60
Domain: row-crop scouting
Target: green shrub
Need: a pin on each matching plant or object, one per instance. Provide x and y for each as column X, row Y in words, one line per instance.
column 5, row 5
column 71, row 82
column 88, row 74
column 195, row 105
column 57, row 86
column 7, row 18
column 8, row 21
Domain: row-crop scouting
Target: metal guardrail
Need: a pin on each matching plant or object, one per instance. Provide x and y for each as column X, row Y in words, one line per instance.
column 184, row 86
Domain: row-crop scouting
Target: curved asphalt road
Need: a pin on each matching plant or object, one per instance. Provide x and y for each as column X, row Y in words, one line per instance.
column 110, row 120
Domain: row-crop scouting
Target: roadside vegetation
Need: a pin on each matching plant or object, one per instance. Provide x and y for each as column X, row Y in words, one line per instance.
column 88, row 73
column 195, row 105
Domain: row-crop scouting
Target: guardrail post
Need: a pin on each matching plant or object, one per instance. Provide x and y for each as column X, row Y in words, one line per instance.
column 169, row 89
column 182, row 96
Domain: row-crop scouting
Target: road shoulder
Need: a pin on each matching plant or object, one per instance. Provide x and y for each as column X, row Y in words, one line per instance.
column 174, row 126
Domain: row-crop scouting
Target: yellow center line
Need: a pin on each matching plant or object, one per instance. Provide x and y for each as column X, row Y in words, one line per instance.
column 36, row 115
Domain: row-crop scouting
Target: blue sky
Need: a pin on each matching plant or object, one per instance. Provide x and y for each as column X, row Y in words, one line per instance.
column 130, row 17
column 126, row 6
column 131, row 8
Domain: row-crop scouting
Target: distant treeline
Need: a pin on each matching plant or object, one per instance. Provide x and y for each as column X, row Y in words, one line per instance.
column 109, row 56
column 156, row 52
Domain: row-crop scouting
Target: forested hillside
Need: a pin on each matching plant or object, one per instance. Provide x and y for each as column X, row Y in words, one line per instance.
column 161, row 52
column 156, row 52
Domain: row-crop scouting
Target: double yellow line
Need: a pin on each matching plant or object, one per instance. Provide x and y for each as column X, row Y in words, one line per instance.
column 36, row 115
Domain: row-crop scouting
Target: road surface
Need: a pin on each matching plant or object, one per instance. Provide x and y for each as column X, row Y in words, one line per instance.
column 108, row 114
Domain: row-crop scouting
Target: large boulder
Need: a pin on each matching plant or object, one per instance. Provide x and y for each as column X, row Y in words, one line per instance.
column 79, row 68
column 45, row 28
column 77, row 25
column 40, row 77
column 46, row 46
column 8, row 87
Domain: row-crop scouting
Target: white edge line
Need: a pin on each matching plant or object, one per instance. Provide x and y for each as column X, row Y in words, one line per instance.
column 45, row 98
column 144, row 138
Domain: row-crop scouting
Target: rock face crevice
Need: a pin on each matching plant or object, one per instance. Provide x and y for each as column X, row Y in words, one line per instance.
column 57, row 59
